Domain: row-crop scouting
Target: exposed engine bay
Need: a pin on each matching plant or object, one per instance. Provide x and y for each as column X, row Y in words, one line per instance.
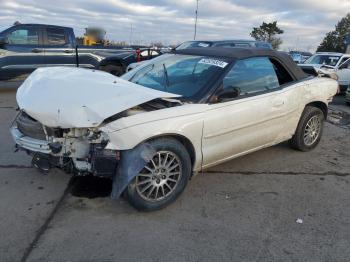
column 80, row 151
column 72, row 149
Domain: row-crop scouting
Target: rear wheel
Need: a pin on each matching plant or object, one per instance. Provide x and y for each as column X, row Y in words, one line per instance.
column 162, row 179
column 114, row 70
column 309, row 130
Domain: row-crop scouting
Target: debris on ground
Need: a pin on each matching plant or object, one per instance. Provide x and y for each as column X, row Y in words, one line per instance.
column 339, row 118
column 299, row 221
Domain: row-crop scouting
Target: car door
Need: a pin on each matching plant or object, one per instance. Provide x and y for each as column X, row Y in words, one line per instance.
column 58, row 47
column 262, row 113
column 23, row 51
column 343, row 73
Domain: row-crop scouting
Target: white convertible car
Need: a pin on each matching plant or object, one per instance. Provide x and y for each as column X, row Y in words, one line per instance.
column 159, row 124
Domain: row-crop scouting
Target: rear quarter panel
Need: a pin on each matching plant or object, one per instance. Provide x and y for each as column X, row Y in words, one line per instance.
column 319, row 89
column 316, row 89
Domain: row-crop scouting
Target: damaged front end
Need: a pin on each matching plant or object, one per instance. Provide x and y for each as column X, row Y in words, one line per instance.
column 76, row 150
column 62, row 119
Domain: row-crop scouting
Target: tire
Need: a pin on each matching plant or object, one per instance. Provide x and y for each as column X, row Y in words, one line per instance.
column 347, row 103
column 161, row 195
column 300, row 140
column 114, row 70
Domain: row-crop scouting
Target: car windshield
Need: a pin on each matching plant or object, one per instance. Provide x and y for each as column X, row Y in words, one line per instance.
column 185, row 75
column 323, row 60
column 193, row 44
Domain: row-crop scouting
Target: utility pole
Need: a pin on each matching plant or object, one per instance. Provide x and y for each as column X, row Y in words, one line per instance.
column 195, row 23
column 130, row 42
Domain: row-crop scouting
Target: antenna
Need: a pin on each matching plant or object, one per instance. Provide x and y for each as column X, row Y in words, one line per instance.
column 195, row 23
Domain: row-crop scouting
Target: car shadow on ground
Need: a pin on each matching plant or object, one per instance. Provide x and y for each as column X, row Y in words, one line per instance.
column 90, row 186
column 94, row 187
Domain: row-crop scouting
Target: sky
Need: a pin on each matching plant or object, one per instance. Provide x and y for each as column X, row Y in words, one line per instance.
column 305, row 22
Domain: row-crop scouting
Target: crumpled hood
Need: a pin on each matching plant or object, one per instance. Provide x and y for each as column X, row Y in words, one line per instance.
column 69, row 97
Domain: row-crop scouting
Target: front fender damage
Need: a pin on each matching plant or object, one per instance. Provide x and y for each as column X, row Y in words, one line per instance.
column 130, row 165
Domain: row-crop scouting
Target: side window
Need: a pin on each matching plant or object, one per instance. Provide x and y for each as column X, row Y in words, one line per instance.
column 153, row 52
column 24, row 36
column 252, row 75
column 343, row 60
column 345, row 63
column 146, row 53
column 348, row 62
column 56, row 36
column 282, row 74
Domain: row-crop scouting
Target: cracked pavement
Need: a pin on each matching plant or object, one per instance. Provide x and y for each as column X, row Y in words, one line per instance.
column 243, row 210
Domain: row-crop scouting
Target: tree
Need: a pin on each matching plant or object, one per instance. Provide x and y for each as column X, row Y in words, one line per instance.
column 267, row 32
column 334, row 41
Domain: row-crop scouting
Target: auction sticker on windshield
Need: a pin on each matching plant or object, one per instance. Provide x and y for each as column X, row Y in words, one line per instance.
column 213, row 62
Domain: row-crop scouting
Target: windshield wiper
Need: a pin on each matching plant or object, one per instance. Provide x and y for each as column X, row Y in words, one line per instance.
column 166, row 78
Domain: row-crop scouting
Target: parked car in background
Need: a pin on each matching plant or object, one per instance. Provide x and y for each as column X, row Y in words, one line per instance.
column 219, row 43
column 25, row 47
column 333, row 62
column 323, row 58
column 225, row 43
column 299, row 57
column 166, row 49
column 151, row 129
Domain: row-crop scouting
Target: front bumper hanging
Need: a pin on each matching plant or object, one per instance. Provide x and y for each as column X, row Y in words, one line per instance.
column 31, row 144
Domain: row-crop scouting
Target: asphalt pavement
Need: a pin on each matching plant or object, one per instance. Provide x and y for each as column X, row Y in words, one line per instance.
column 276, row 204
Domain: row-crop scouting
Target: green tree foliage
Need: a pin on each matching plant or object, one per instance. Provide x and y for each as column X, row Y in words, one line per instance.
column 334, row 41
column 267, row 32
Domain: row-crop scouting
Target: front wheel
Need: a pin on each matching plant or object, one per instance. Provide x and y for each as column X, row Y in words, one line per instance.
column 163, row 178
column 309, row 130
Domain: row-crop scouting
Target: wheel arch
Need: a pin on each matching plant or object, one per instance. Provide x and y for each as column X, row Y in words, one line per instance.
column 321, row 105
column 186, row 142
column 115, row 62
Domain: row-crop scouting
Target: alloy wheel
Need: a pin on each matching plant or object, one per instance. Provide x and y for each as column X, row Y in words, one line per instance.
column 312, row 130
column 159, row 178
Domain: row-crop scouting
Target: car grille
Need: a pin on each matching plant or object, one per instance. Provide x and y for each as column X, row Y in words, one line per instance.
column 28, row 126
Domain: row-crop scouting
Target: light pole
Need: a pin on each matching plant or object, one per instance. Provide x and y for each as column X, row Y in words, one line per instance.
column 195, row 22
column 131, row 40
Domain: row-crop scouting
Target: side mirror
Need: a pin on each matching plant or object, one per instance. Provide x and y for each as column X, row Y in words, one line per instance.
column 3, row 40
column 228, row 93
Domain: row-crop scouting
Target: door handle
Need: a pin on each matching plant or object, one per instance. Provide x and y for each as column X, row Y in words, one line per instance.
column 36, row 50
column 68, row 51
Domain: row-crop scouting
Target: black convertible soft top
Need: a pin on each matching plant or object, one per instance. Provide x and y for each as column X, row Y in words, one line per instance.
column 242, row 53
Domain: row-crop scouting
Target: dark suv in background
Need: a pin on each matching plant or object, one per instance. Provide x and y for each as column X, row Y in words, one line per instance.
column 25, row 47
